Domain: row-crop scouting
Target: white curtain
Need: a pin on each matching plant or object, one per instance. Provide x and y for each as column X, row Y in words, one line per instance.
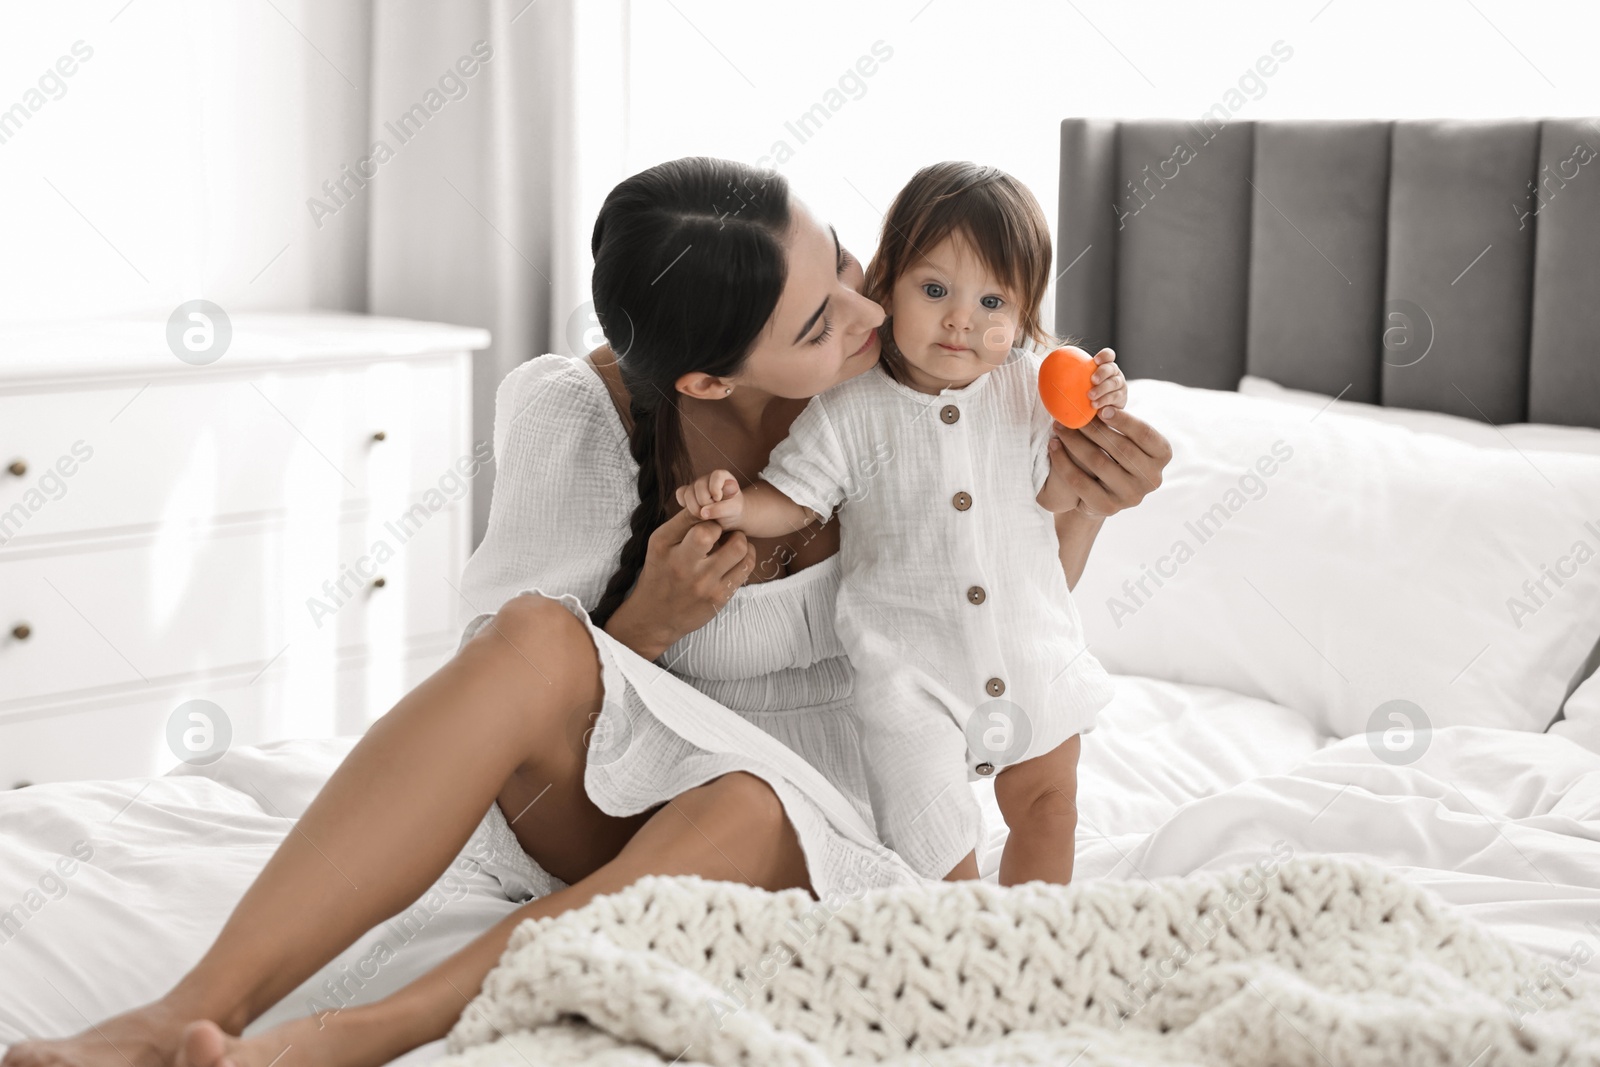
column 483, row 211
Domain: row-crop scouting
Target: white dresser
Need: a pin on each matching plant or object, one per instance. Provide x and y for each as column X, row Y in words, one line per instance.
column 266, row 546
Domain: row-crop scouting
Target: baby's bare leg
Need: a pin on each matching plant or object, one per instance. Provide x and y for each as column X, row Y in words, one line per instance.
column 1039, row 800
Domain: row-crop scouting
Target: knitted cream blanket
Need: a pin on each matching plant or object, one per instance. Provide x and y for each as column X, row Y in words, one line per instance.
column 1318, row 961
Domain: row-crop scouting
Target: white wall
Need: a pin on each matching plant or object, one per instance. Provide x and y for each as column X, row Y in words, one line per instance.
column 176, row 161
column 990, row 80
column 179, row 158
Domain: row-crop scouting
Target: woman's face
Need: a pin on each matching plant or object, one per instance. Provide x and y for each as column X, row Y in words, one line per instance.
column 823, row 330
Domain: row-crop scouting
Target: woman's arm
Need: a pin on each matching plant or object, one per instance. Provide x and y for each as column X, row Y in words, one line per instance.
column 642, row 629
column 1076, row 533
column 552, row 426
column 1110, row 469
column 1057, row 496
column 690, row 572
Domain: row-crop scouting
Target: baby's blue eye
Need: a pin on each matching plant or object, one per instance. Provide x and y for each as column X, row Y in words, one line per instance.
column 994, row 306
column 930, row 287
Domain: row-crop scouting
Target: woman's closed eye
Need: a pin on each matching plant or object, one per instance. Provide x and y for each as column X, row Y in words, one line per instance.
column 827, row 331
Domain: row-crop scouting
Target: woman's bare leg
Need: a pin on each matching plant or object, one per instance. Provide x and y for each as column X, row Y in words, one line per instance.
column 966, row 870
column 499, row 717
column 733, row 828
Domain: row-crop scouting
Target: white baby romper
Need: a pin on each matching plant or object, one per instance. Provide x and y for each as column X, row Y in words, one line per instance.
column 953, row 608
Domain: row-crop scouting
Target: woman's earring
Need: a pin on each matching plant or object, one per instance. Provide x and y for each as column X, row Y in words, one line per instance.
column 727, row 391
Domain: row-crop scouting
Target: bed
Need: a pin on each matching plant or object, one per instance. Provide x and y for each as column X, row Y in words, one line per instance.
column 1307, row 676
column 1180, row 778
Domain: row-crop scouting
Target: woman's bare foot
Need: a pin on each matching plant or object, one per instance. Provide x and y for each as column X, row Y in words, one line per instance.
column 296, row 1043
column 358, row 1036
column 144, row 1037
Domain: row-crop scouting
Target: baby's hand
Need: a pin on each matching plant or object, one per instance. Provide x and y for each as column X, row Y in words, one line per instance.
column 714, row 496
column 1108, row 388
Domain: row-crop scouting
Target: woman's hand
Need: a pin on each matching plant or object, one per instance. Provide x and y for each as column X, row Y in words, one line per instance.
column 1109, row 468
column 1108, row 389
column 1110, row 471
column 687, row 578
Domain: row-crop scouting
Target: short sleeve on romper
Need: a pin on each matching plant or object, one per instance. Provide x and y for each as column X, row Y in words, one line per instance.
column 564, row 489
column 810, row 466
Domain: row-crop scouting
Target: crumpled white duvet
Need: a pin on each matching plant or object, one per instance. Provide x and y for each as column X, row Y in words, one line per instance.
column 1176, row 779
column 1503, row 824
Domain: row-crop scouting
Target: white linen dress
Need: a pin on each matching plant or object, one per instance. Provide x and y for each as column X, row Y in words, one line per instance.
column 968, row 649
column 764, row 687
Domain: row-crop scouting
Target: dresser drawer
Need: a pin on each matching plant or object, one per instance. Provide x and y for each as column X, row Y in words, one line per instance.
column 164, row 607
column 311, row 439
column 396, row 580
column 232, row 599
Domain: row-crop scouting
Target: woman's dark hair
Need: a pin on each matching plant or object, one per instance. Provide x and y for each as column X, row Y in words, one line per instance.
column 689, row 262
column 996, row 214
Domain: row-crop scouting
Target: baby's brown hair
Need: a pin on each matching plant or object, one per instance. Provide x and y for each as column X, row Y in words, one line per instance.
column 993, row 211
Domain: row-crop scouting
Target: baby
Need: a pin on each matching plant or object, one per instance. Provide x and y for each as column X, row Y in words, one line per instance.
column 967, row 648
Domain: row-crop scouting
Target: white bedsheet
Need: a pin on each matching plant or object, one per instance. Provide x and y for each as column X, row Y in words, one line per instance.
column 1503, row 824
column 1176, row 778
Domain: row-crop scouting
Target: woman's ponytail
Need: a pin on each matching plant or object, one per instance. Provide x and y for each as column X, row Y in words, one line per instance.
column 657, row 479
column 689, row 262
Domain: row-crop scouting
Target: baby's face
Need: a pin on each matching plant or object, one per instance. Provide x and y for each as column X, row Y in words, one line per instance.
column 953, row 320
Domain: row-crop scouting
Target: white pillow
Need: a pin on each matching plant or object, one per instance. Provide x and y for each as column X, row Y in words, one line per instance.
column 1537, row 435
column 1582, row 722
column 1333, row 564
column 1528, row 435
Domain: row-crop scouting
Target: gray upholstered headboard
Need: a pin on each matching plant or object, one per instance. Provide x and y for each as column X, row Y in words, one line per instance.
column 1445, row 265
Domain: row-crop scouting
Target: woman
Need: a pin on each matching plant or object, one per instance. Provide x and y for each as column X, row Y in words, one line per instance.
column 726, row 306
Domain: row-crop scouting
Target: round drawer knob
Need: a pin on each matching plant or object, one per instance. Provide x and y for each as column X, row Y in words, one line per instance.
column 22, row 631
column 18, row 467
column 379, row 582
column 976, row 595
column 962, row 501
column 950, row 414
column 994, row 687
column 984, row 768
column 380, row 435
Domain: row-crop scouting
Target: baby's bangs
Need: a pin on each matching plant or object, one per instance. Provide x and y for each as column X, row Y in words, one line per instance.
column 995, row 227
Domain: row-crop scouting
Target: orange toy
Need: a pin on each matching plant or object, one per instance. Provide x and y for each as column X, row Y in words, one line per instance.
column 1064, row 386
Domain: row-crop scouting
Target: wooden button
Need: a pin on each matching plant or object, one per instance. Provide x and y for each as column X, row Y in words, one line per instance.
column 962, row 501
column 994, row 687
column 976, row 595
column 950, row 413
column 985, row 768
